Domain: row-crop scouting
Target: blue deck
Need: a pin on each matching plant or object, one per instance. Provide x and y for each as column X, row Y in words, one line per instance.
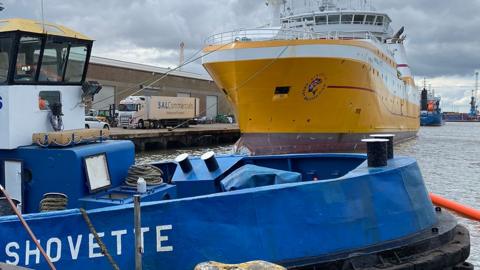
column 348, row 207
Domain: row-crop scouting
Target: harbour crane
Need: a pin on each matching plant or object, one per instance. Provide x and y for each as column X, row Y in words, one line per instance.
column 474, row 100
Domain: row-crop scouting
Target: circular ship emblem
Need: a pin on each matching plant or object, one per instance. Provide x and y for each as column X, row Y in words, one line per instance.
column 314, row 88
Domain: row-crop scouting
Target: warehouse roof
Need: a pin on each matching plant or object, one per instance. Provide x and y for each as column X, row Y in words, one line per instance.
column 149, row 68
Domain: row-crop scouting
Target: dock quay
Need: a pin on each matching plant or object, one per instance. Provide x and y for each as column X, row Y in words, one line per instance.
column 195, row 135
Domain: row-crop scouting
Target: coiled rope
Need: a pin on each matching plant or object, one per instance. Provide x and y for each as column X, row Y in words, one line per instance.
column 152, row 175
column 53, row 202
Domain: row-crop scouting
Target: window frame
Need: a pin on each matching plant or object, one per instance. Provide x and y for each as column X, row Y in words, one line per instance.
column 347, row 15
column 11, row 52
column 43, row 37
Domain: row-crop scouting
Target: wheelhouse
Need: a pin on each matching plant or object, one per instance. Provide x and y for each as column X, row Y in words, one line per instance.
column 341, row 21
column 42, row 54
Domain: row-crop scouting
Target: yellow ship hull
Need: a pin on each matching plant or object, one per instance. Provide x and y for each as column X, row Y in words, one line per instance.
column 290, row 105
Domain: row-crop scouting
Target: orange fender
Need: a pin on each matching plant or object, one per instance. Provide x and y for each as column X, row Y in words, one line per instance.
column 461, row 209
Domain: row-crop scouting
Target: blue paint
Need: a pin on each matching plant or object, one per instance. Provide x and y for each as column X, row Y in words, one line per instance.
column 1, row 103
column 62, row 169
column 348, row 207
column 431, row 119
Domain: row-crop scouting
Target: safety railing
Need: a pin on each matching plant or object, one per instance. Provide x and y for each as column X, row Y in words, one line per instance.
column 268, row 34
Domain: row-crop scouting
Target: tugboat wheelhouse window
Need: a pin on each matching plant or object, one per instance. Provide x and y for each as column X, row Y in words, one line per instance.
column 76, row 63
column 27, row 58
column 5, row 52
column 53, row 62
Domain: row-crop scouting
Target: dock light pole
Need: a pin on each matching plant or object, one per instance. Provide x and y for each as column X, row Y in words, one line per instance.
column 138, row 232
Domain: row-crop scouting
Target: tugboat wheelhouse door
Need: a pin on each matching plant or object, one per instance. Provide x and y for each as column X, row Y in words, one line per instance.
column 13, row 178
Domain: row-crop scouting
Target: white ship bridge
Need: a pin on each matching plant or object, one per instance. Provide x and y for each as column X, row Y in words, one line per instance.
column 315, row 19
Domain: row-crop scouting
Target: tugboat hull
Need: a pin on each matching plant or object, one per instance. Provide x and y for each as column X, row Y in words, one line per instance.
column 346, row 211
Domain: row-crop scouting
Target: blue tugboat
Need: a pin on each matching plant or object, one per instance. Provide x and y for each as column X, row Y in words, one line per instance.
column 311, row 211
column 431, row 113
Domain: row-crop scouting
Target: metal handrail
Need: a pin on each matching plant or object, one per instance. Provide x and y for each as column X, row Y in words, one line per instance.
column 270, row 34
column 266, row 34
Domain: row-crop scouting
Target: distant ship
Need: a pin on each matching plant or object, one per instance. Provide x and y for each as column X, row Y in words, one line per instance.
column 431, row 113
column 324, row 75
column 473, row 115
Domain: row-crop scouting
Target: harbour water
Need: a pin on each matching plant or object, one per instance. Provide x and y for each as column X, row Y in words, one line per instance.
column 449, row 157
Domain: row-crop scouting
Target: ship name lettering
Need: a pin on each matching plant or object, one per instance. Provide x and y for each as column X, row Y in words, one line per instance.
column 27, row 253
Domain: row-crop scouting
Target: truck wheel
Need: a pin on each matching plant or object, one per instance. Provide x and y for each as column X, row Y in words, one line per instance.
column 141, row 124
column 151, row 124
column 157, row 124
column 87, row 126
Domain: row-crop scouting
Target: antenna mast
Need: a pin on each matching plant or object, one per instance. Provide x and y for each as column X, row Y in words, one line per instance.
column 43, row 17
column 182, row 54
column 476, row 85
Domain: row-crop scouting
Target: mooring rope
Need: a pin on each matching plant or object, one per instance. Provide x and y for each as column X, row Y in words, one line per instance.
column 103, row 248
column 53, row 203
column 151, row 174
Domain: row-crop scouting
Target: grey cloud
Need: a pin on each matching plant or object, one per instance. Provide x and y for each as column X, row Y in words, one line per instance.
column 443, row 35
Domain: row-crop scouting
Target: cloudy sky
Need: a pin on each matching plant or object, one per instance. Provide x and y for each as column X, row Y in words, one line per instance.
column 443, row 35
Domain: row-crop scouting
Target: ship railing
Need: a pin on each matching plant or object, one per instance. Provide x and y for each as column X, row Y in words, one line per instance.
column 270, row 34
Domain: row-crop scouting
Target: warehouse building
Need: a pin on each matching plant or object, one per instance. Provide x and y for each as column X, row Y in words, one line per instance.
column 121, row 79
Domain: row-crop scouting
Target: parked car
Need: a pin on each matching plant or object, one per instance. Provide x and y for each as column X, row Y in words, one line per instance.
column 93, row 122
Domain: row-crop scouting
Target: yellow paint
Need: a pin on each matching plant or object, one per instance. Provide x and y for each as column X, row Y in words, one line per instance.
column 31, row 26
column 283, row 43
column 352, row 97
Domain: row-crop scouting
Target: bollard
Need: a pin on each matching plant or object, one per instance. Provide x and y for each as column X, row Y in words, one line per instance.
column 376, row 152
column 184, row 163
column 210, row 161
column 389, row 137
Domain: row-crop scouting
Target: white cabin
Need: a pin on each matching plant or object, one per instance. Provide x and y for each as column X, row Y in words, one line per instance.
column 41, row 64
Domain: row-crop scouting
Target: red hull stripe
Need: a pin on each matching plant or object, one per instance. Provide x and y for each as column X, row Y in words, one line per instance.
column 351, row 87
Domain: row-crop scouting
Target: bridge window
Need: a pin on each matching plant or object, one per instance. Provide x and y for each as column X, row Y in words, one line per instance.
column 76, row 63
column 27, row 58
column 54, row 60
column 333, row 19
column 370, row 19
column 321, row 20
column 347, row 19
column 379, row 20
column 358, row 19
column 5, row 51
